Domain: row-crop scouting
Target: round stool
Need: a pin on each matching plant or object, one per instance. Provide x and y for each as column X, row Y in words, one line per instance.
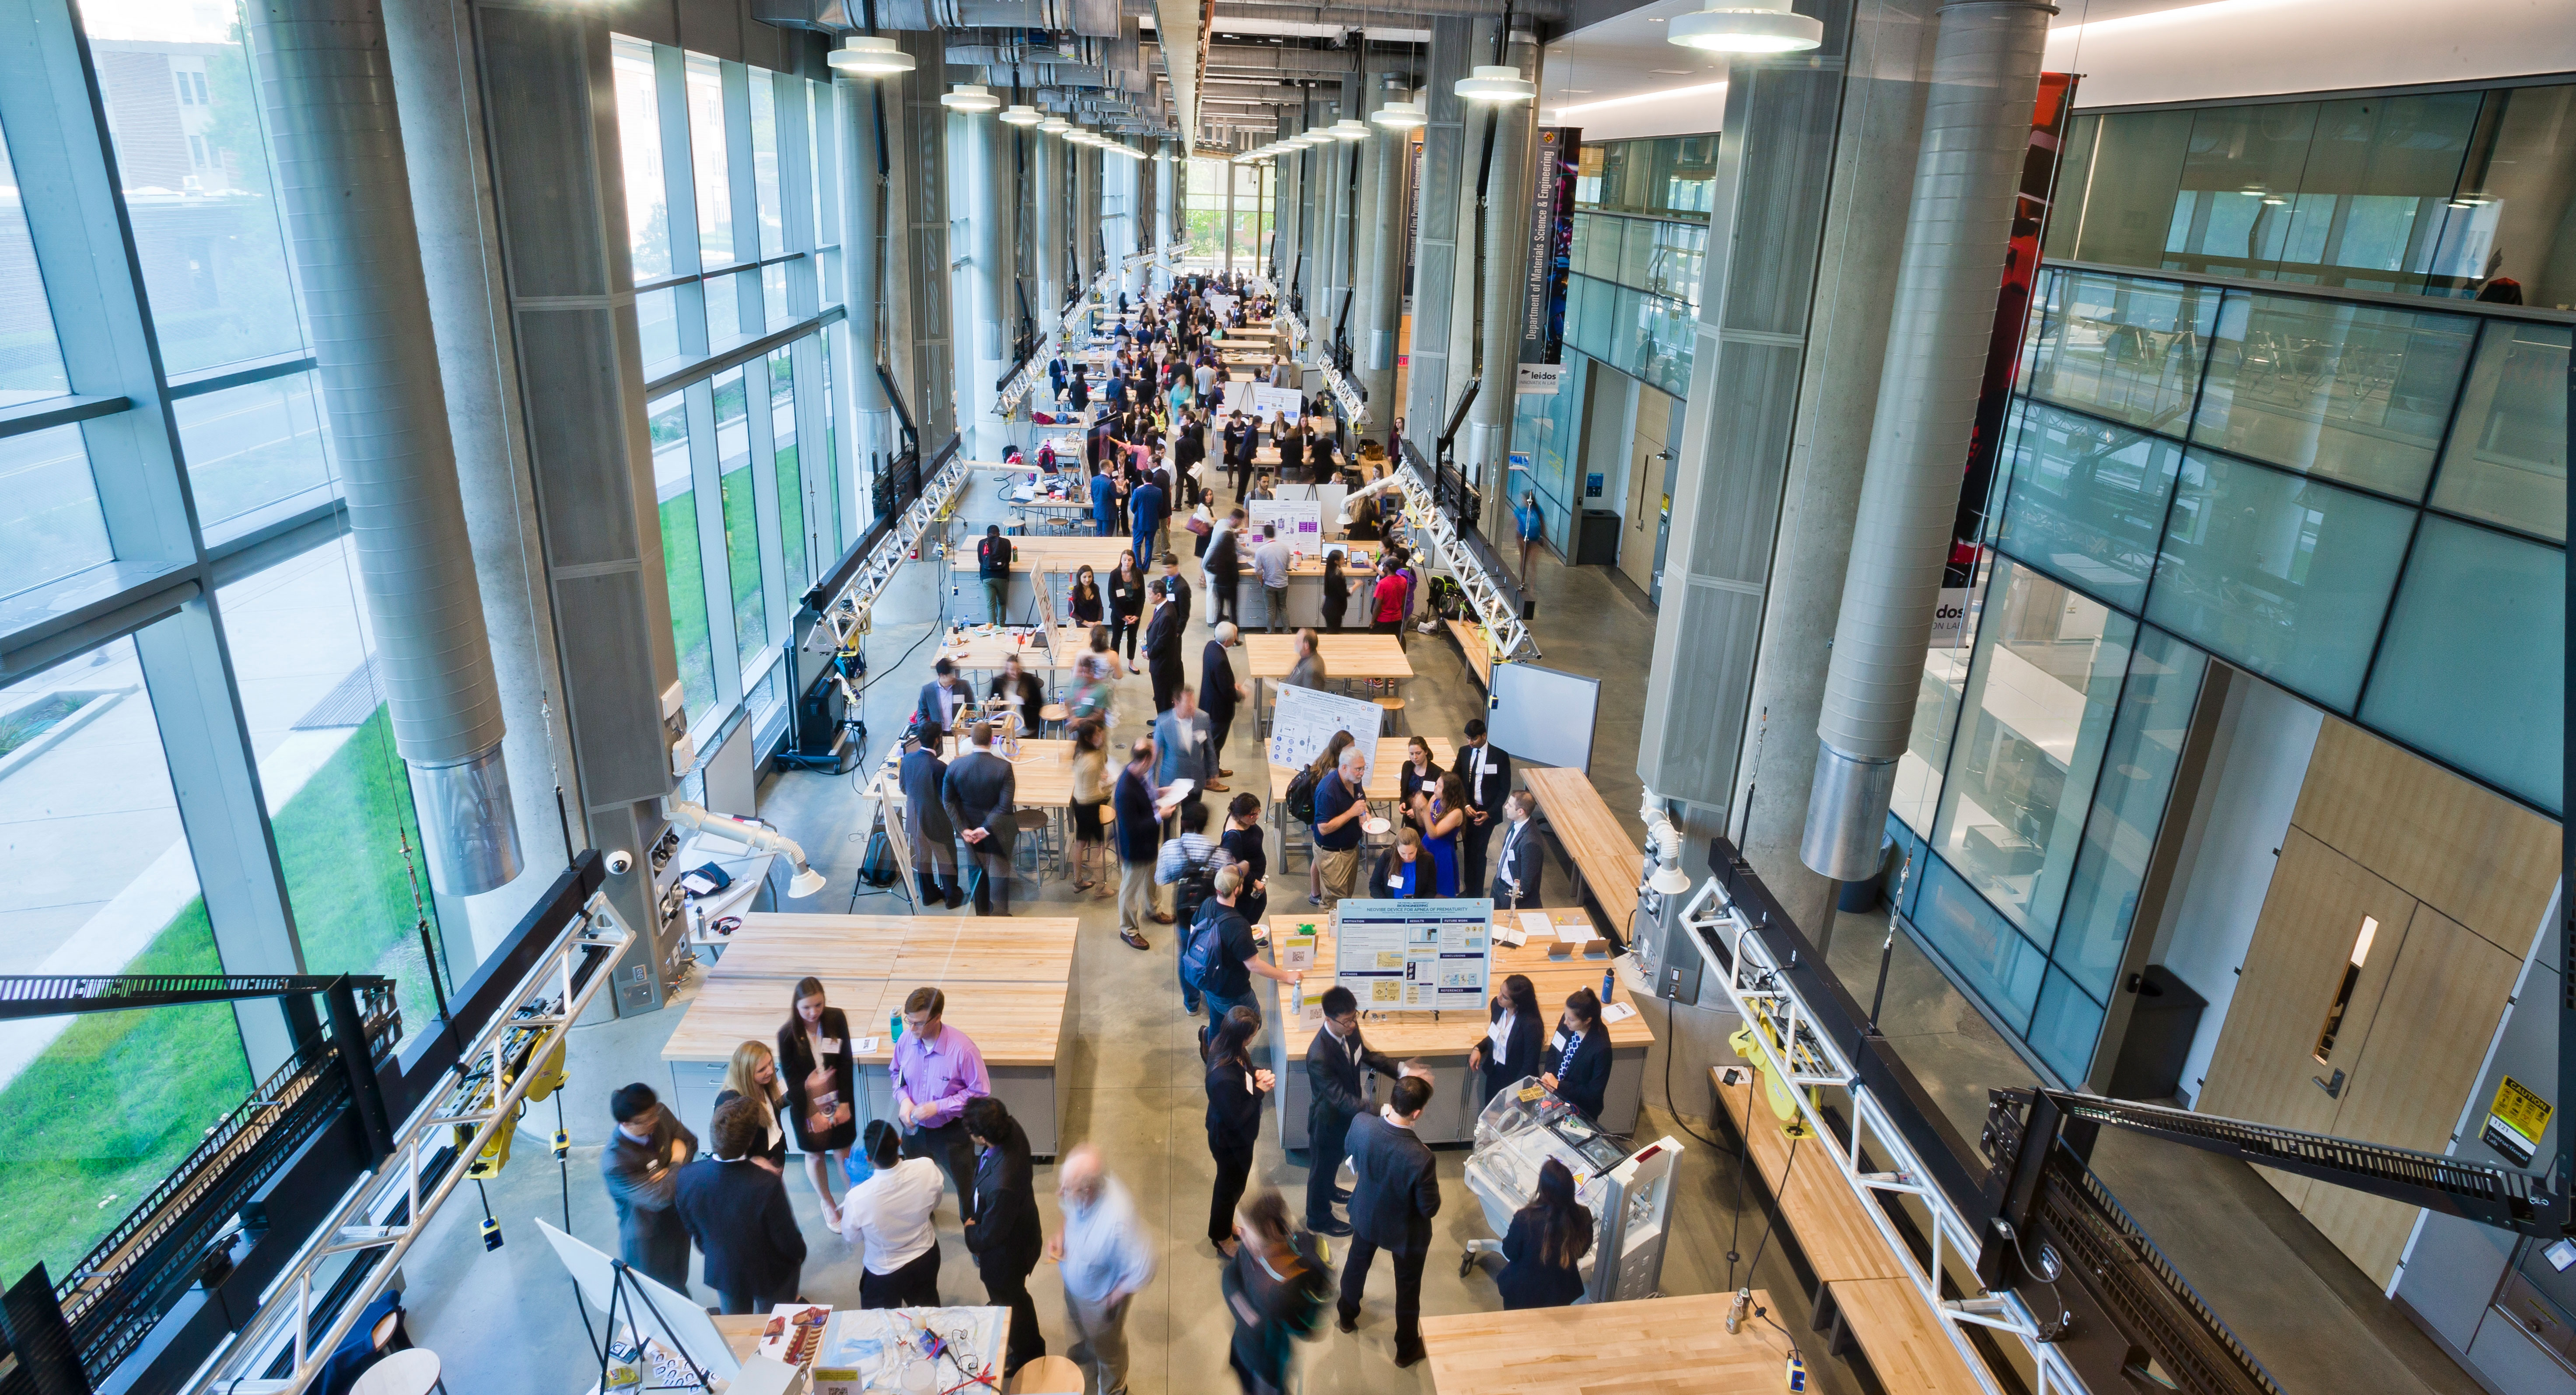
column 1394, row 708
column 413, row 1372
column 1054, row 714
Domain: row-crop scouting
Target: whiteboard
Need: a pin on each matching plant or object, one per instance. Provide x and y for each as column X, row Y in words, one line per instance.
column 1544, row 715
column 1303, row 720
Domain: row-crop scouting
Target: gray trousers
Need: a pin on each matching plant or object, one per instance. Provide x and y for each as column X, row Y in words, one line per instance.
column 1099, row 1341
column 1275, row 602
column 1136, row 896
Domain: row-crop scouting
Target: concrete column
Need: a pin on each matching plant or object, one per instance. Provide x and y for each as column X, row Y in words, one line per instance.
column 429, row 44
column 1487, row 444
column 1378, row 316
column 1428, row 387
column 1167, row 191
column 864, row 248
column 1046, row 225
column 988, row 219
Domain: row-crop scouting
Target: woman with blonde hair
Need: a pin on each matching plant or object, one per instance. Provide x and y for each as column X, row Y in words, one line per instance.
column 753, row 1075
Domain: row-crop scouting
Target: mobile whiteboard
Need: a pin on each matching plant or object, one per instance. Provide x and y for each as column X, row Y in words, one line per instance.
column 1544, row 715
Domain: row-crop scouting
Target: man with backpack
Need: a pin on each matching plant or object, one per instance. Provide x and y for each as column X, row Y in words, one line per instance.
column 1219, row 958
column 993, row 564
column 1188, row 866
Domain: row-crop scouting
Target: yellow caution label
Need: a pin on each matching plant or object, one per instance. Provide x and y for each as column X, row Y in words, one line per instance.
column 2516, row 1122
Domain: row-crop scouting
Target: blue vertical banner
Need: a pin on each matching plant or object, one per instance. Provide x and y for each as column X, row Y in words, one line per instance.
column 1556, row 158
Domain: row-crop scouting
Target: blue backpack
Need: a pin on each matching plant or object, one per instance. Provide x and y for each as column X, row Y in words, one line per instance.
column 1200, row 965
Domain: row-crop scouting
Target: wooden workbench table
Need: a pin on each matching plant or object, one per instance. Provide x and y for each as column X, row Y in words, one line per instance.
column 1384, row 777
column 983, row 651
column 1478, row 650
column 1652, row 1346
column 1607, row 864
column 1440, row 1041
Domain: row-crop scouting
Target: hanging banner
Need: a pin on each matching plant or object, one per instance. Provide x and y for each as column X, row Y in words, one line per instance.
column 1551, row 249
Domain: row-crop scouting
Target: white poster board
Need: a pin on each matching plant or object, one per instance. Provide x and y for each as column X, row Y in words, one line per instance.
column 1303, row 720
column 656, row 1312
column 1414, row 955
column 1300, row 522
column 1284, row 401
column 1544, row 716
column 1046, row 613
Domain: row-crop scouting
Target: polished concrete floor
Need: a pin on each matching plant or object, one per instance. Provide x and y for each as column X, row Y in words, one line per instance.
column 508, row 1322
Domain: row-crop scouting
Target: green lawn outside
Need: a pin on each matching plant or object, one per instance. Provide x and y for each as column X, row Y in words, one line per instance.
column 742, row 560
column 685, row 574
column 120, row 1097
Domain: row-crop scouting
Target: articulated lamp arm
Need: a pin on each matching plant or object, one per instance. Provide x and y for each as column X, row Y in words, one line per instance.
column 806, row 882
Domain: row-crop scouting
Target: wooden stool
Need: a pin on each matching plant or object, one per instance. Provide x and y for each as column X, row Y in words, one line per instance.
column 1048, row 1375
column 412, row 1372
column 1054, row 715
column 1394, row 708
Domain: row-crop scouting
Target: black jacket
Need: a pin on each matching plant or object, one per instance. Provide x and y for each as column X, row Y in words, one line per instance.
column 1125, row 597
column 796, row 1061
column 639, row 1177
column 1519, row 853
column 1529, row 1034
column 1526, row 1283
column 1082, row 609
column 979, row 792
column 1587, row 1079
column 1486, row 793
column 1224, row 560
column 738, row 1214
column 1398, row 1187
column 776, row 1152
column 1140, row 831
column 1006, row 1236
column 1335, row 1078
column 1233, row 1112
column 1163, row 636
column 925, row 819
column 1382, row 877
column 1031, row 695
column 927, row 713
column 1216, row 682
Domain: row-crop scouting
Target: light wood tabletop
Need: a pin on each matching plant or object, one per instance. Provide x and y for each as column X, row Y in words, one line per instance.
column 910, row 949
column 986, row 650
column 1650, row 1346
column 988, row 950
column 1608, row 860
column 1821, row 1210
column 1048, row 553
column 1426, row 1035
column 1012, row 1024
column 1043, row 770
column 1344, row 656
column 1385, row 778
column 1479, row 651
column 728, row 1012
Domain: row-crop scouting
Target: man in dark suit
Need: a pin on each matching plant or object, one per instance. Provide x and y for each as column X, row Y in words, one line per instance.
column 1392, row 1203
column 1145, row 506
column 1219, row 692
column 1523, row 859
column 1223, row 566
column 735, row 1207
column 979, row 793
column 1338, row 1063
column 644, row 1151
column 1577, row 1059
column 1004, row 1232
column 1163, row 645
column 941, row 699
column 926, row 827
column 1487, row 774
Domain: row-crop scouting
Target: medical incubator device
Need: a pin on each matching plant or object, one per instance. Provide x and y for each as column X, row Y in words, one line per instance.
column 1630, row 1194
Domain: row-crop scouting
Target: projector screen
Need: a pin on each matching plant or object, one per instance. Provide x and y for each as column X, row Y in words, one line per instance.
column 1544, row 715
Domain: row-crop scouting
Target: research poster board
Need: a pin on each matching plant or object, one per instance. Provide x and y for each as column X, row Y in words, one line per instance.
column 1303, row 720
column 1413, row 954
column 1282, row 401
column 1301, row 522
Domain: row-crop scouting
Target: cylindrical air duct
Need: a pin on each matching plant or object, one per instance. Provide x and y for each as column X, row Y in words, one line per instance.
column 1976, row 129
column 863, row 243
column 327, row 88
column 1378, row 317
column 1498, row 296
column 1046, row 229
column 989, row 224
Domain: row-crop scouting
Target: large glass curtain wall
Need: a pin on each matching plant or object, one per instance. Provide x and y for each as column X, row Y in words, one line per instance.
column 2362, row 502
column 1227, row 229
column 734, row 208
column 2423, row 193
column 196, row 773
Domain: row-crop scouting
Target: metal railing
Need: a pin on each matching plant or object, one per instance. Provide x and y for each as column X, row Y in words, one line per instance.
column 850, row 614
column 1506, row 636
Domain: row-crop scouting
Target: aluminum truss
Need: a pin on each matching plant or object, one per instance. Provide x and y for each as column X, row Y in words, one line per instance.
column 1508, row 638
column 848, row 615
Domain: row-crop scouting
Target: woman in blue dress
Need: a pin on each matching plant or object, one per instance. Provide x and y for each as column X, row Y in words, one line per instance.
column 1441, row 815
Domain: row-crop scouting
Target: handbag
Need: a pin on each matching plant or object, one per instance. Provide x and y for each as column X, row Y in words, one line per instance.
column 1200, row 524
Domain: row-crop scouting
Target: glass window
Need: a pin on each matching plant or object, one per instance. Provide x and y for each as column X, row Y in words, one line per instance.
column 2358, row 393
column 2038, row 709
column 707, row 160
column 1936, row 707
column 2507, row 457
column 2064, row 1028
column 2233, row 212
column 50, row 524
column 2516, row 207
column 2472, row 667
column 773, row 295
column 657, row 326
column 339, row 798
column 794, row 548
column 96, row 1109
column 2087, row 500
column 764, row 164
column 31, row 360
column 741, row 520
column 251, row 446
column 682, row 571
column 196, row 182
column 2121, row 347
column 2128, row 807
column 639, row 140
column 1984, row 953
column 2278, row 573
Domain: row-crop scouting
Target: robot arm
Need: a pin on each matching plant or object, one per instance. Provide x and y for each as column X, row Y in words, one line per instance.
column 807, row 881
column 1350, row 503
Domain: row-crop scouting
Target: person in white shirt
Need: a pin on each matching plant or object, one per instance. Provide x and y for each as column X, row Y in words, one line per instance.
column 888, row 1218
column 1514, row 1034
column 1106, row 1258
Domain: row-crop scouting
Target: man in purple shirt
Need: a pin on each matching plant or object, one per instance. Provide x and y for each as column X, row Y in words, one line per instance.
column 936, row 1070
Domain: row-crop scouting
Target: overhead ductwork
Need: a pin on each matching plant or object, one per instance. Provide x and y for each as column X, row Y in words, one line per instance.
column 1976, row 130
column 327, row 90
column 1093, row 18
column 1280, row 59
column 1357, row 16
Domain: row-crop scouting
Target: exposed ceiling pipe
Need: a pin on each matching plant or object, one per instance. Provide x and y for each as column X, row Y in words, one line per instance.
column 1357, row 16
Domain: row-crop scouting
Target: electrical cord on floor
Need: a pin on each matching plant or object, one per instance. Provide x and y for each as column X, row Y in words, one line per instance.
column 1671, row 1108
column 1767, row 1221
column 1735, row 1227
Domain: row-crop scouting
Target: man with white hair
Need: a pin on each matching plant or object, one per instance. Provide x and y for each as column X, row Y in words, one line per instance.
column 1105, row 1257
column 1341, row 801
column 1219, row 692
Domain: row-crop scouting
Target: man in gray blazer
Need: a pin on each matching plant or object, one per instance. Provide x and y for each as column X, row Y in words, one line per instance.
column 1186, row 745
column 979, row 793
column 946, row 694
column 644, row 1152
column 925, row 825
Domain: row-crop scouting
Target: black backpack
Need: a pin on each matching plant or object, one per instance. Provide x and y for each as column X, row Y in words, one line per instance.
column 1301, row 796
column 1197, row 883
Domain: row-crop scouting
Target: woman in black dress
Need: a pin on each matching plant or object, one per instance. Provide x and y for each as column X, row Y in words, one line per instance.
column 1235, row 1087
column 815, row 1063
column 1337, row 593
column 1126, row 604
column 753, row 1075
column 1548, row 1238
column 1083, row 606
column 1243, row 843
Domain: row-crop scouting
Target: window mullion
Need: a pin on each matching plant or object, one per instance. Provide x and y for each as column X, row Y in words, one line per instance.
column 715, row 566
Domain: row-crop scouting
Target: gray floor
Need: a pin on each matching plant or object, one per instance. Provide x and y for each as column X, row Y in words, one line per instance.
column 507, row 1321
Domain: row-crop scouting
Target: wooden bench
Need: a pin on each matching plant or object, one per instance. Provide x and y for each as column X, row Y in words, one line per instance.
column 1652, row 1346
column 1864, row 1293
column 1479, row 652
column 1607, row 867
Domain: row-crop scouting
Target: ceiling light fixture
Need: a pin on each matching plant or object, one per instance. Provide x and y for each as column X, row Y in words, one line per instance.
column 1401, row 116
column 1495, row 82
column 1747, row 26
column 1055, row 126
column 1022, row 114
column 1349, row 128
column 970, row 96
column 869, row 55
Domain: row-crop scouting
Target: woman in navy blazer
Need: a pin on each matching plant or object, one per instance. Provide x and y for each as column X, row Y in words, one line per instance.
column 1577, row 1059
column 1549, row 1237
column 1511, row 1051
